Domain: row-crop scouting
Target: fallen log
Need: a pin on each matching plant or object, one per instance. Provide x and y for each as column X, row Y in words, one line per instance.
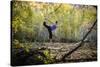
column 80, row 44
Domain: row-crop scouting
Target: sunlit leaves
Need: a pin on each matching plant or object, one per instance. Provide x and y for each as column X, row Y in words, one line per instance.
column 28, row 17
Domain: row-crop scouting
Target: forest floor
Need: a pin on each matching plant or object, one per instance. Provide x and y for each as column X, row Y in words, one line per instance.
column 87, row 52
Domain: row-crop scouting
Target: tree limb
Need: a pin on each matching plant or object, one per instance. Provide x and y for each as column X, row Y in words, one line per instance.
column 80, row 44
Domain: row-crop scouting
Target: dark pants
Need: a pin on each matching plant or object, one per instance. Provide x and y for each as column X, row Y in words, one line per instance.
column 49, row 30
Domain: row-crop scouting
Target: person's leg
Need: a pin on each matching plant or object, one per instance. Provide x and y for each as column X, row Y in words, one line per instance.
column 44, row 23
column 50, row 35
column 49, row 30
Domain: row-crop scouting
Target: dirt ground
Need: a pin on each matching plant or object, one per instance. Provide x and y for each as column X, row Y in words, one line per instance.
column 87, row 52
